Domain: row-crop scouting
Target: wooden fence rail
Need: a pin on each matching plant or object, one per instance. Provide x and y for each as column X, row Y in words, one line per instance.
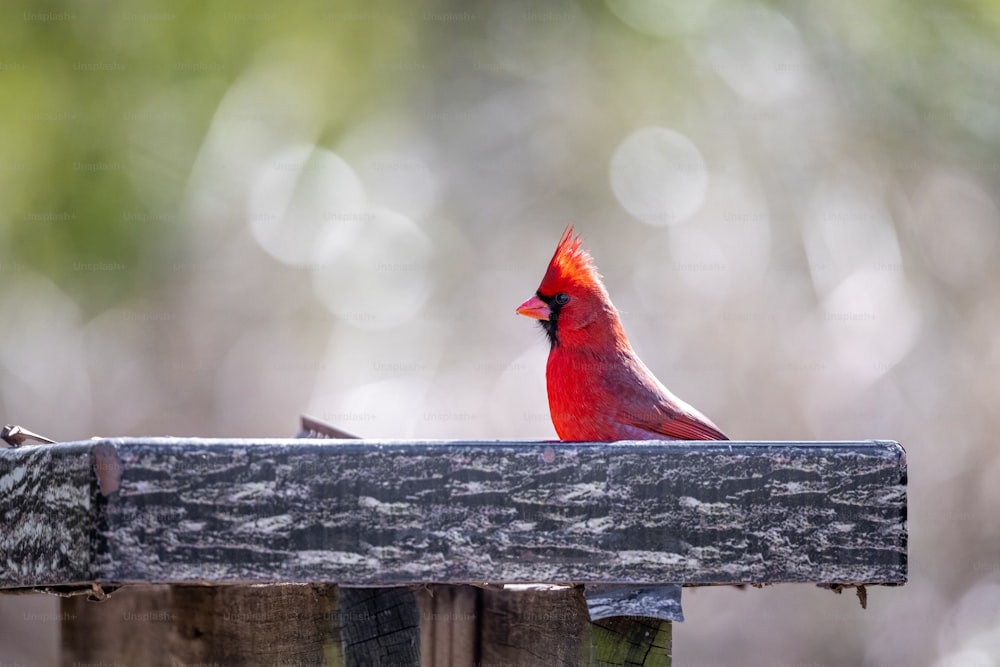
column 394, row 552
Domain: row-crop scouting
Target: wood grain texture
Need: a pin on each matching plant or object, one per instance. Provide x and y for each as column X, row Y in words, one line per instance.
column 370, row 513
column 295, row 624
column 47, row 514
column 535, row 627
column 628, row 641
column 553, row 627
column 302, row 624
column 450, row 622
column 380, row 626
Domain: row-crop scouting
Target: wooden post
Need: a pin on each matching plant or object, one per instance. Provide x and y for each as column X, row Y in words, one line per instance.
column 192, row 528
column 163, row 624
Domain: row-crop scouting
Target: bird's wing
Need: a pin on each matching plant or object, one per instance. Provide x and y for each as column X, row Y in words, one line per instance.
column 648, row 405
column 676, row 422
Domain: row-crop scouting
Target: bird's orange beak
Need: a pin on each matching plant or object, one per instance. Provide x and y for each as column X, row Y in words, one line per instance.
column 534, row 308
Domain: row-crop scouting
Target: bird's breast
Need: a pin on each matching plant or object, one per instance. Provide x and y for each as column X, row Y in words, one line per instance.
column 581, row 405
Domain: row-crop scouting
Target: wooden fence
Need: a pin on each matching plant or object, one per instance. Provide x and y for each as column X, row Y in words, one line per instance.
column 364, row 552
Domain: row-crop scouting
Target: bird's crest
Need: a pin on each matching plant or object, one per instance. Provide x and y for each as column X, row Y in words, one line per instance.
column 570, row 265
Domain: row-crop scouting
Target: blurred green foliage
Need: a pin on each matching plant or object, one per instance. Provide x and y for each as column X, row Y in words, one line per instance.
column 81, row 85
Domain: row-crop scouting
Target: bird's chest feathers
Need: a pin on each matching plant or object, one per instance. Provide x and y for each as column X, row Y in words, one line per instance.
column 578, row 382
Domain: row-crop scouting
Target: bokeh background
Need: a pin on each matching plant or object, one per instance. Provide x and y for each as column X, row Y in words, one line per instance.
column 215, row 216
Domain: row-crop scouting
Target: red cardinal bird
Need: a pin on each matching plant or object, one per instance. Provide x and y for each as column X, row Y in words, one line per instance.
column 598, row 388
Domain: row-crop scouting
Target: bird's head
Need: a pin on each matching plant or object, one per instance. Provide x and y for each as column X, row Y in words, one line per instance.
column 571, row 298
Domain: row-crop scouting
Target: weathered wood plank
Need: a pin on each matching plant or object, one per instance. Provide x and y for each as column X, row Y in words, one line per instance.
column 380, row 626
column 226, row 625
column 450, row 624
column 535, row 627
column 629, row 640
column 299, row 624
column 553, row 627
column 47, row 514
column 388, row 513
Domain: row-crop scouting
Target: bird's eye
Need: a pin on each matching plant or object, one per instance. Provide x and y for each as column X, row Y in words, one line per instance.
column 562, row 298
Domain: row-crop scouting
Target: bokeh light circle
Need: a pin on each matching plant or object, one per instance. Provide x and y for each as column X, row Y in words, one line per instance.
column 659, row 176
column 297, row 195
column 373, row 271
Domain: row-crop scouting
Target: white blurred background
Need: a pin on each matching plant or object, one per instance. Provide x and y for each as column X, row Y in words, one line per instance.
column 217, row 216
